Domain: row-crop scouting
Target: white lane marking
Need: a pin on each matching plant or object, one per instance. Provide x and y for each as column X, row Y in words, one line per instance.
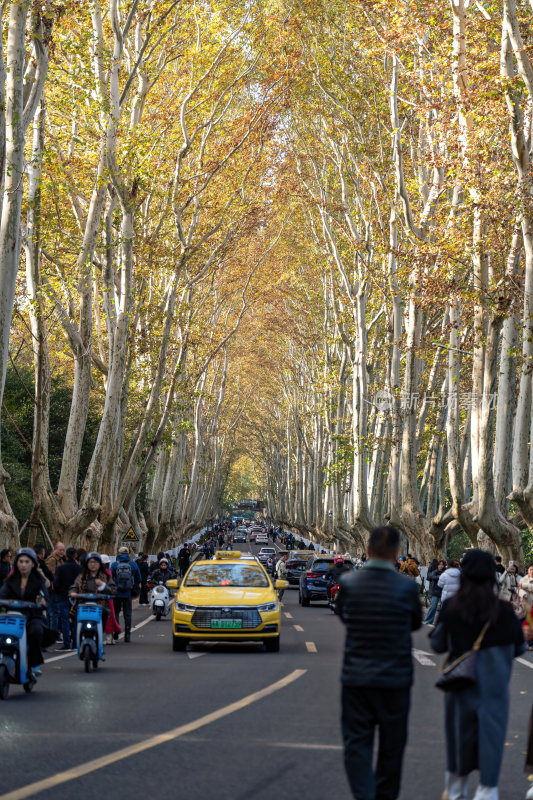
column 422, row 658
column 154, row 741
column 298, row 628
column 75, row 652
column 311, row 648
column 525, row 663
column 289, row 616
column 195, row 655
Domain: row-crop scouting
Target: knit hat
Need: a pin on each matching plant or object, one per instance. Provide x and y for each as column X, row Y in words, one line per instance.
column 478, row 565
column 123, row 551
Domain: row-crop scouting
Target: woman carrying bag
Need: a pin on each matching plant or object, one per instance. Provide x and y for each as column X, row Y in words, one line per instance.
column 475, row 618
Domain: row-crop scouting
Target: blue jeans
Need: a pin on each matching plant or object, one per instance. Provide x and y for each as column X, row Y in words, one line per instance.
column 54, row 602
column 432, row 610
column 64, row 611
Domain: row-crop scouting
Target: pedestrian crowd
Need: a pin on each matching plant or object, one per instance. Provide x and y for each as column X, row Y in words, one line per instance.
column 480, row 615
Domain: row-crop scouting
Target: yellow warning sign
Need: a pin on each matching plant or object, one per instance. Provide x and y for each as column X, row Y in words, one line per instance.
column 130, row 536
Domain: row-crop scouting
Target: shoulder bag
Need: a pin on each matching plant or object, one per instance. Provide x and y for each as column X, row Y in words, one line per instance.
column 461, row 673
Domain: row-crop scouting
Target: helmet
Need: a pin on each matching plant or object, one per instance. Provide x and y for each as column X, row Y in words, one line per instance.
column 339, row 560
column 164, row 561
column 95, row 555
column 27, row 551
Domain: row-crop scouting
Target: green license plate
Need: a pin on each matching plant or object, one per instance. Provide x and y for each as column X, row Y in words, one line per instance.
column 226, row 623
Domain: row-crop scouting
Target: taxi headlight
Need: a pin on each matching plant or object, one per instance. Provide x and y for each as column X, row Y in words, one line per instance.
column 185, row 607
column 268, row 607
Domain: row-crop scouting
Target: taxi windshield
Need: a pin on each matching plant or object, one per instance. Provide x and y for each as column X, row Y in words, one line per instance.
column 214, row 574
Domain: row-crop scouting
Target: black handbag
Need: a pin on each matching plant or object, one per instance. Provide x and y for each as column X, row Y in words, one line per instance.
column 461, row 673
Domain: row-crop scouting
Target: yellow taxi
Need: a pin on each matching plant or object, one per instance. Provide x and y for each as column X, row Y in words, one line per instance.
column 230, row 598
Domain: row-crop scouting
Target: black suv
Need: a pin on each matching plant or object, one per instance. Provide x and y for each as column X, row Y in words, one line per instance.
column 313, row 583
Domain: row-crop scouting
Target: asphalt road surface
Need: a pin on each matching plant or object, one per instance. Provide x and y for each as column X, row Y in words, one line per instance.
column 228, row 722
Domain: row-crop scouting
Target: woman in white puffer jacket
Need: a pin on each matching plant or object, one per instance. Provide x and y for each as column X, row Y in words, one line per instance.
column 450, row 580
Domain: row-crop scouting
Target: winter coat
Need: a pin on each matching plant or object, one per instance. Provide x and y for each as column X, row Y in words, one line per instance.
column 281, row 570
column 162, row 575
column 143, row 569
column 44, row 569
column 87, row 585
column 449, row 582
column 11, row 590
column 526, row 590
column 508, row 585
column 433, row 577
column 53, row 561
column 476, row 717
column 380, row 609
column 184, row 558
column 335, row 573
column 5, row 569
column 410, row 567
column 134, row 591
column 64, row 577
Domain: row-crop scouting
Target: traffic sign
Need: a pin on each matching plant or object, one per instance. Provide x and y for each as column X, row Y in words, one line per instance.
column 130, row 536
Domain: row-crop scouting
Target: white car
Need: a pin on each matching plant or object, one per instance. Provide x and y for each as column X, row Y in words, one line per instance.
column 261, row 538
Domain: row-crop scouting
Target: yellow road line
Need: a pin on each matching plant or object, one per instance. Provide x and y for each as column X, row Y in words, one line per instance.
column 298, row 628
column 311, row 648
column 154, row 741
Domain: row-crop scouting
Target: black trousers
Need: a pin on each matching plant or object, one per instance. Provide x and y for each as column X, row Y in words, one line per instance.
column 363, row 710
column 143, row 597
column 34, row 637
column 123, row 603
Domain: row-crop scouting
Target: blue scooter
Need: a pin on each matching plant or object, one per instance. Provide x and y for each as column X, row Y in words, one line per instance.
column 14, row 647
column 90, row 630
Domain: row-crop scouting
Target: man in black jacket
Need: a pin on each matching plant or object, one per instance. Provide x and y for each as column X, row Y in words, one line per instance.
column 64, row 577
column 380, row 609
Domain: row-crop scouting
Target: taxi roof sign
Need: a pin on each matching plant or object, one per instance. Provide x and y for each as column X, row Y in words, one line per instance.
column 220, row 555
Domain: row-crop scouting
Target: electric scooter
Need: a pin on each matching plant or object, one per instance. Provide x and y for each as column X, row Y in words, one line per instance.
column 14, row 647
column 333, row 593
column 160, row 600
column 90, row 630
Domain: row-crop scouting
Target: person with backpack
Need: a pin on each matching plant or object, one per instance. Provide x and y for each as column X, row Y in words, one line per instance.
column 127, row 578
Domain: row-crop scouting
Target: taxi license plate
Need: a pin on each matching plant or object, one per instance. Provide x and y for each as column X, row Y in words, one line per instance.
column 226, row 623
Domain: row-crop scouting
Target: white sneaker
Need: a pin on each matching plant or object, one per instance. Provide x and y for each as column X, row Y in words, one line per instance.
column 456, row 787
column 529, row 795
column 486, row 793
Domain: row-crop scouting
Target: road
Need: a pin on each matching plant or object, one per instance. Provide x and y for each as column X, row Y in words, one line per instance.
column 276, row 733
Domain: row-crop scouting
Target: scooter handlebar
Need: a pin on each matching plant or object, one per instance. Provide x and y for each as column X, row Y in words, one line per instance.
column 91, row 596
column 18, row 604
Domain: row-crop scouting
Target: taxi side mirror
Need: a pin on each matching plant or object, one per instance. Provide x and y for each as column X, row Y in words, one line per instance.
column 281, row 584
column 172, row 584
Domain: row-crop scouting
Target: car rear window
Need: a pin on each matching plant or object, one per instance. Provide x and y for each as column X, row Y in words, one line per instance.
column 296, row 565
column 321, row 565
column 213, row 574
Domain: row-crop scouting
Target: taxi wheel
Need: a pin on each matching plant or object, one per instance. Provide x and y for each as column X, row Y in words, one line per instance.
column 272, row 645
column 179, row 644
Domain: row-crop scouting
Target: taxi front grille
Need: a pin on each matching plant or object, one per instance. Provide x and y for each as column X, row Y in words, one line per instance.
column 250, row 616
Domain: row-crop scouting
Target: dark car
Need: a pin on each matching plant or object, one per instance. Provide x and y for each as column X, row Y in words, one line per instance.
column 295, row 567
column 313, row 583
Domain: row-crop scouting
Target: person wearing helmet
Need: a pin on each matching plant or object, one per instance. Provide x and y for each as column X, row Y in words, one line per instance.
column 163, row 573
column 94, row 579
column 339, row 568
column 27, row 583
